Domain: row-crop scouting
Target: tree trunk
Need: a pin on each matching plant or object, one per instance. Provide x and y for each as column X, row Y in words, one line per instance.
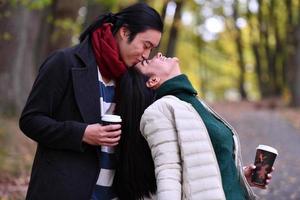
column 174, row 30
column 41, row 50
column 19, row 32
column 265, row 55
column 57, row 28
column 163, row 16
column 292, row 49
column 255, row 49
column 94, row 9
column 278, row 60
column 272, row 51
column 240, row 51
column 64, row 19
column 295, row 81
column 269, row 60
column 164, row 10
column 289, row 43
column 144, row 1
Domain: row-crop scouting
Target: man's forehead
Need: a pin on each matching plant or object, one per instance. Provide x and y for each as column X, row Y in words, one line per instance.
column 150, row 35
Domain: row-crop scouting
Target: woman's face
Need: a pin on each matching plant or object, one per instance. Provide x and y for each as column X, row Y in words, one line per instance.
column 159, row 66
column 140, row 47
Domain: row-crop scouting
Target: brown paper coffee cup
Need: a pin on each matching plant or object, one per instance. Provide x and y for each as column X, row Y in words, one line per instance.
column 264, row 160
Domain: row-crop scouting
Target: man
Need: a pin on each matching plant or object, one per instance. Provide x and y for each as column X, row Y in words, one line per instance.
column 74, row 87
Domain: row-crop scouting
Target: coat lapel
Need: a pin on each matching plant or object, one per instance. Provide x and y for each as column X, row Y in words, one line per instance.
column 86, row 86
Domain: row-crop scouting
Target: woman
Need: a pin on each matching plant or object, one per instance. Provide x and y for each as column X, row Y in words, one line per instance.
column 196, row 153
column 74, row 87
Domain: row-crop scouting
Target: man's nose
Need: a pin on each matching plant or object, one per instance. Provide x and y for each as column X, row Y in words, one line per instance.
column 146, row 54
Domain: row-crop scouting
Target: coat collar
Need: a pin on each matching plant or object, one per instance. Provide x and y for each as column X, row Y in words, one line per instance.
column 177, row 85
column 85, row 53
column 85, row 82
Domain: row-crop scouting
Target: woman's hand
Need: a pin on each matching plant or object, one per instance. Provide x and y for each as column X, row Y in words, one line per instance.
column 248, row 171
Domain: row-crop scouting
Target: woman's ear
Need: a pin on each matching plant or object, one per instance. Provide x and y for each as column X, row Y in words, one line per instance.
column 153, row 82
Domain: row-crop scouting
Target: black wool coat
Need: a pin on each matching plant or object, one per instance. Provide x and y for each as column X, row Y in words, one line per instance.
column 63, row 101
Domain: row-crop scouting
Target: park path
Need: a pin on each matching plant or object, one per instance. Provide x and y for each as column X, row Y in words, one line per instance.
column 255, row 126
column 270, row 127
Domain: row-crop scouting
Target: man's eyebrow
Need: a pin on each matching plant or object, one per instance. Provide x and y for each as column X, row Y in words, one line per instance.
column 151, row 44
column 155, row 46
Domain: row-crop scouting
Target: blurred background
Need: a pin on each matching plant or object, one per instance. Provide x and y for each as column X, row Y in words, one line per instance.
column 232, row 50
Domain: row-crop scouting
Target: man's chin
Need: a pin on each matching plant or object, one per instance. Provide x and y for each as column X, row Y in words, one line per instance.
column 134, row 63
column 130, row 66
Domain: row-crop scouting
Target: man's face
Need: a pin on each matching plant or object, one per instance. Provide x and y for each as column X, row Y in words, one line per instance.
column 140, row 47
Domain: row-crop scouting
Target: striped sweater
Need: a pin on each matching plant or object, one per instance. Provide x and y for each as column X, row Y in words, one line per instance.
column 103, row 187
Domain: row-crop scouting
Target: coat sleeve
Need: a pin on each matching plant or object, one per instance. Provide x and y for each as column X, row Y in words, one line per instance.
column 38, row 117
column 160, row 133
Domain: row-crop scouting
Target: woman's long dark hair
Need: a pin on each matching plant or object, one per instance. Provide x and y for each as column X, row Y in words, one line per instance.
column 137, row 18
column 134, row 176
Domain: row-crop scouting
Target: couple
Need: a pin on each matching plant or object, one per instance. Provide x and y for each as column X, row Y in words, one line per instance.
column 76, row 86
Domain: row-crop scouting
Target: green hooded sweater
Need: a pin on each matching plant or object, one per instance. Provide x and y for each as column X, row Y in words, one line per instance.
column 219, row 133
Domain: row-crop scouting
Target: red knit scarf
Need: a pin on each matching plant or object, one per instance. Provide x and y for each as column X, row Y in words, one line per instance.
column 106, row 52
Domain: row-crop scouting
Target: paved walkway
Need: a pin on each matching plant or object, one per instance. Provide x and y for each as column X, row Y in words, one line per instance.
column 270, row 128
column 256, row 127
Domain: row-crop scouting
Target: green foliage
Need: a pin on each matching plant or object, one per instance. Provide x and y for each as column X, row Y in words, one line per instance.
column 67, row 25
column 212, row 65
column 32, row 4
column 114, row 5
column 6, row 36
column 106, row 3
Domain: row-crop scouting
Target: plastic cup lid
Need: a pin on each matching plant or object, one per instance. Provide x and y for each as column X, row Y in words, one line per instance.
column 111, row 118
column 267, row 148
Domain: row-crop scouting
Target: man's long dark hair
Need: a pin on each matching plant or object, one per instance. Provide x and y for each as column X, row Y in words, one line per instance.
column 134, row 177
column 137, row 18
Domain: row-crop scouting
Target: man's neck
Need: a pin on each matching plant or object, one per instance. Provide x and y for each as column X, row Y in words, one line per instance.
column 105, row 80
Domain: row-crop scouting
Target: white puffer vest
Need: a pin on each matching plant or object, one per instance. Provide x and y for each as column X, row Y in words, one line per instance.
column 185, row 162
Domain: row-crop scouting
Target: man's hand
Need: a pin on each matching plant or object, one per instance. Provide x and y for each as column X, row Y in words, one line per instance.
column 96, row 134
column 248, row 171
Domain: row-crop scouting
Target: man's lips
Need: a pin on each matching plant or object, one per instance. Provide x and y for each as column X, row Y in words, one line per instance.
column 137, row 61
